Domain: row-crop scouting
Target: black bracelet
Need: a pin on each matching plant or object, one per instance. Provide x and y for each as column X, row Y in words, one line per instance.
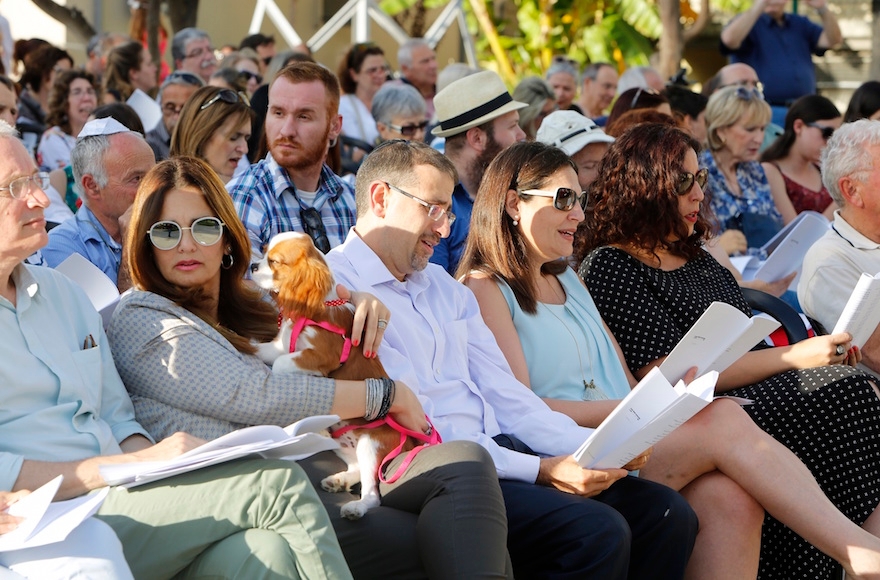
column 387, row 397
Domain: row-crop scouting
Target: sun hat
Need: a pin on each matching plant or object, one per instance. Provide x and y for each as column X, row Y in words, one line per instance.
column 570, row 131
column 472, row 101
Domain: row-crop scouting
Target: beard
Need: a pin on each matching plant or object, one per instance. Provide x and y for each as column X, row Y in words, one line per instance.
column 304, row 156
column 418, row 261
column 478, row 167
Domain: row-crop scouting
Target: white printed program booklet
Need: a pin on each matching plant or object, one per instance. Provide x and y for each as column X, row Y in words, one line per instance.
column 100, row 289
column 46, row 522
column 654, row 408
column 650, row 412
column 294, row 442
column 861, row 315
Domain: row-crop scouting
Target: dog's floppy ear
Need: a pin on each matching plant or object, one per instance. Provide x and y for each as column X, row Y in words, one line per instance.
column 304, row 282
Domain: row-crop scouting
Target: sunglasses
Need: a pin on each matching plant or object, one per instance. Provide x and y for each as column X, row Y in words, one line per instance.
column 247, row 75
column 746, row 94
column 206, row 231
column 564, row 198
column 314, row 227
column 686, row 180
column 827, row 132
column 638, row 94
column 408, row 131
column 227, row 96
column 756, row 85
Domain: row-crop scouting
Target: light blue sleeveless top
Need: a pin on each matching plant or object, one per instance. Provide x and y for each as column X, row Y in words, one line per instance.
column 565, row 345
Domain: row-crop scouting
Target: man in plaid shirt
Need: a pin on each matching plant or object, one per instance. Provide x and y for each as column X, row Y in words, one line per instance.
column 292, row 188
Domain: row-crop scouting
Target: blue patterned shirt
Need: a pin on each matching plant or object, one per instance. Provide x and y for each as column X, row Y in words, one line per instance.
column 755, row 196
column 267, row 203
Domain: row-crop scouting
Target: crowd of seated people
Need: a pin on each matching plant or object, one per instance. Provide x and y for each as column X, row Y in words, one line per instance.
column 518, row 260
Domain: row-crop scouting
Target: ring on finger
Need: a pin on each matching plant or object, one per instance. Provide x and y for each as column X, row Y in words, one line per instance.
column 840, row 350
column 382, row 323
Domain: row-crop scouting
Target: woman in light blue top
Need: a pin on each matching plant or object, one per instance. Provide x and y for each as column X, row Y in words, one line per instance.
column 526, row 213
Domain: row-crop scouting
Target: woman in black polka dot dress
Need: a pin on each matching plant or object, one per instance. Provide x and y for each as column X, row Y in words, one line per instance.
column 651, row 280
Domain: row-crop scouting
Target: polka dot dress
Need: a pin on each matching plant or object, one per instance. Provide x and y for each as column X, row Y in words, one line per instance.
column 829, row 416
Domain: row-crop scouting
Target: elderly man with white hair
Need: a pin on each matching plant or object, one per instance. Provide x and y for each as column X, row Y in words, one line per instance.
column 833, row 265
column 418, row 67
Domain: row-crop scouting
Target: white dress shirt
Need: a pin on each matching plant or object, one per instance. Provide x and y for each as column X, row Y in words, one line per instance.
column 438, row 345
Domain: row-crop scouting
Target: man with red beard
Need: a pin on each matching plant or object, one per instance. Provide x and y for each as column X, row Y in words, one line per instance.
column 292, row 189
column 479, row 119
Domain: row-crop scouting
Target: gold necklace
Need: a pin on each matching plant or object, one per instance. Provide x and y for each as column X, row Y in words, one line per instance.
column 587, row 385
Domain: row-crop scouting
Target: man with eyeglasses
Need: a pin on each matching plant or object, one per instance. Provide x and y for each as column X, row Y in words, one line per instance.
column 108, row 162
column 193, row 52
column 293, row 189
column 598, row 88
column 176, row 89
column 479, row 119
column 851, row 248
column 437, row 339
column 779, row 47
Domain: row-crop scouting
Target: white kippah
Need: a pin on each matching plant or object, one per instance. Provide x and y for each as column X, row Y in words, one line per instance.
column 105, row 126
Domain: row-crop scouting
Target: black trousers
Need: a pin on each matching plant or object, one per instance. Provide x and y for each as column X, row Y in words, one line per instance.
column 634, row 529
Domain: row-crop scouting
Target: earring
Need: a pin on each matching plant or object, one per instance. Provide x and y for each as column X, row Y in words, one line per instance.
column 226, row 264
column 516, row 221
column 333, row 142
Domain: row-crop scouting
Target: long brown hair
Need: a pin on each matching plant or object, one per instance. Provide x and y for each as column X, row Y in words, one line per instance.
column 634, row 201
column 242, row 314
column 494, row 245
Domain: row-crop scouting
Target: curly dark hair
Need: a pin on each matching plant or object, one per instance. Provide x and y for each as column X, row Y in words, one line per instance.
column 58, row 98
column 634, row 201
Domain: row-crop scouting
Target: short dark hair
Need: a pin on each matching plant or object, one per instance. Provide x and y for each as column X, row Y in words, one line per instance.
column 865, row 101
column 255, row 40
column 122, row 113
column 685, row 101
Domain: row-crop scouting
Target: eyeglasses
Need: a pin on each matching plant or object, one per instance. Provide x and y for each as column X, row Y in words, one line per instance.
column 23, row 186
column 408, row 131
column 206, row 231
column 827, row 132
column 686, row 180
column 748, row 94
column 564, row 198
column 314, row 227
column 435, row 212
column 81, row 92
column 564, row 59
column 248, row 75
column 199, row 52
column 227, row 96
column 638, row 94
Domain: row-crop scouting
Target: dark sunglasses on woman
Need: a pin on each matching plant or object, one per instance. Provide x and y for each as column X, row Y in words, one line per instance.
column 206, row 231
column 564, row 198
column 686, row 180
column 408, row 131
column 827, row 132
column 227, row 96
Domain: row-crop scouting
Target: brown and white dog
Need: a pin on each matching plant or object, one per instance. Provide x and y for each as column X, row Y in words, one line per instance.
column 298, row 277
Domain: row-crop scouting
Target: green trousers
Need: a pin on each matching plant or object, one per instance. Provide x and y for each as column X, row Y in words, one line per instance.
column 250, row 519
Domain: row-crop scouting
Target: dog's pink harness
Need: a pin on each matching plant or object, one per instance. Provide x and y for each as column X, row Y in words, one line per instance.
column 431, row 438
column 302, row 322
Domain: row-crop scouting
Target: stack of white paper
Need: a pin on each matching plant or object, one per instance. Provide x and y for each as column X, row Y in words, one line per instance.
column 99, row 288
column 294, row 442
column 861, row 315
column 46, row 522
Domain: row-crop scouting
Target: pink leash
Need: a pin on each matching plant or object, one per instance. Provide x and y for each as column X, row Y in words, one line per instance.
column 302, row 322
column 431, row 439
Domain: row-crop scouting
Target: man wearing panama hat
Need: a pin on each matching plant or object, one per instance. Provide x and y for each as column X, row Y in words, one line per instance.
column 479, row 119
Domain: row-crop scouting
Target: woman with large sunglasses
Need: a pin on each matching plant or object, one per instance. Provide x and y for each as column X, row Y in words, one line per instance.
column 792, row 161
column 215, row 125
column 739, row 194
column 184, row 342
column 651, row 280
